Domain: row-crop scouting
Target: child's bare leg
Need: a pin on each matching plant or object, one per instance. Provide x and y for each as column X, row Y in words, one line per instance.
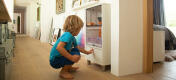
column 64, row 72
column 73, row 69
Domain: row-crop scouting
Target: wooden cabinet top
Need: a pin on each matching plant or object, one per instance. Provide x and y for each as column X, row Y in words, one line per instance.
column 4, row 15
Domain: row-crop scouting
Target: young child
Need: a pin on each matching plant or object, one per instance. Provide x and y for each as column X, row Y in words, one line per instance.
column 65, row 51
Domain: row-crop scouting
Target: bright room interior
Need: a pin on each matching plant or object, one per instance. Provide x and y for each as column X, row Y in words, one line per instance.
column 164, row 38
column 114, row 28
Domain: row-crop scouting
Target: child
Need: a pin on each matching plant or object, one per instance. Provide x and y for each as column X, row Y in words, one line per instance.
column 65, row 51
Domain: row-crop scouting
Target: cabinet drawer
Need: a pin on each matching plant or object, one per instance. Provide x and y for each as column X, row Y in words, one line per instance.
column 2, row 52
column 97, row 56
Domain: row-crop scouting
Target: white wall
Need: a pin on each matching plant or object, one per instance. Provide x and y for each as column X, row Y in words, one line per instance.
column 126, row 37
column 28, row 20
column 47, row 12
column 130, row 37
column 31, row 19
column 10, row 7
column 115, row 37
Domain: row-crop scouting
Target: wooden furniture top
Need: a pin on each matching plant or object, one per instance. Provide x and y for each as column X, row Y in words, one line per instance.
column 4, row 15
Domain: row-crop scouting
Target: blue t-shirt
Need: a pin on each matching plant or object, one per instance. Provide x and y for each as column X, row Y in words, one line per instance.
column 70, row 41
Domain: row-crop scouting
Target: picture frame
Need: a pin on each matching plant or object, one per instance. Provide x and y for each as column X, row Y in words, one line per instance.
column 79, row 3
column 38, row 14
column 56, row 34
column 60, row 6
column 76, row 3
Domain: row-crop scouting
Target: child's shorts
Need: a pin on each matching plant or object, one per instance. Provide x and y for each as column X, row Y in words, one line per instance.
column 59, row 62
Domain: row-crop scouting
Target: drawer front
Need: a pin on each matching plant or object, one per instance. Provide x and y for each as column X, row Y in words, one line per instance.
column 2, row 69
column 97, row 56
column 2, row 52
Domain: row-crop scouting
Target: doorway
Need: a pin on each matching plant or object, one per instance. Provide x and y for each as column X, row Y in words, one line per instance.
column 165, row 23
column 19, row 20
column 165, row 69
column 17, row 23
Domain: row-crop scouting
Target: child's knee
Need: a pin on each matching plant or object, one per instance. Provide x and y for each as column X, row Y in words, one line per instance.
column 75, row 51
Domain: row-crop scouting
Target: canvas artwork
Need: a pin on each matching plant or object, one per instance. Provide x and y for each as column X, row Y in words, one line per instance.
column 81, row 39
column 51, row 32
column 38, row 14
column 60, row 6
column 75, row 3
column 56, row 34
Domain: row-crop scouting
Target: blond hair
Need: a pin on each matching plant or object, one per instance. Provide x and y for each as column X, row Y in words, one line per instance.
column 72, row 24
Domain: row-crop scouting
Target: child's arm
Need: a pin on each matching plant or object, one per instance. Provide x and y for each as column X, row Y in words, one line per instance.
column 85, row 51
column 63, row 52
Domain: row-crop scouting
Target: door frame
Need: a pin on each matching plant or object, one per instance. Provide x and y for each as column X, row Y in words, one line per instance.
column 22, row 12
column 147, row 36
column 19, row 24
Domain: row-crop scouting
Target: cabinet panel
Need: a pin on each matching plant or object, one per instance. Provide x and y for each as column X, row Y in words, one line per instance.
column 97, row 56
column 98, row 34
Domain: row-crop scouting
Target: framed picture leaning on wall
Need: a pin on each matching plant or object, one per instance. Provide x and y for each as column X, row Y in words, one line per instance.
column 60, row 6
column 55, row 35
column 38, row 14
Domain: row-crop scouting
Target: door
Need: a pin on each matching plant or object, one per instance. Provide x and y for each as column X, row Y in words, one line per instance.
column 18, row 24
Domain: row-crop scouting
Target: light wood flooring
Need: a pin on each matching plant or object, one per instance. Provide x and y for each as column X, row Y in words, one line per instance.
column 31, row 62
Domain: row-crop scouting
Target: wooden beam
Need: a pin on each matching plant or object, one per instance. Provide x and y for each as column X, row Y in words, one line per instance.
column 4, row 15
column 148, row 36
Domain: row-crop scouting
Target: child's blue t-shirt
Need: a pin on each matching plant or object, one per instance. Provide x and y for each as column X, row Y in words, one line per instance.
column 70, row 41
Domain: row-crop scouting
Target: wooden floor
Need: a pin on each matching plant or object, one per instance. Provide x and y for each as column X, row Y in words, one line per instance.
column 164, row 71
column 31, row 62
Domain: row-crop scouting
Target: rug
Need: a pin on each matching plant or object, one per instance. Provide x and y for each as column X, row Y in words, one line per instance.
column 170, row 55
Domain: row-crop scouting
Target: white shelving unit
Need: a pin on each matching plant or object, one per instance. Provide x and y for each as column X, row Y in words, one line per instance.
column 98, row 25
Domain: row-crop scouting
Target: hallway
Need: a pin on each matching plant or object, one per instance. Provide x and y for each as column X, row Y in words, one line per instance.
column 31, row 62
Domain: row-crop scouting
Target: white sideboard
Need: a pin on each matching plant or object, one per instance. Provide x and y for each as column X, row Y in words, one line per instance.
column 158, row 46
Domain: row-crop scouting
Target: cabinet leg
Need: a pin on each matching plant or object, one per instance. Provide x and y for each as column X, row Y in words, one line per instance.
column 88, row 62
column 104, row 68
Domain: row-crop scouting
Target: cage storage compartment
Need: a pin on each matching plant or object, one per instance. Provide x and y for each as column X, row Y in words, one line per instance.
column 98, row 34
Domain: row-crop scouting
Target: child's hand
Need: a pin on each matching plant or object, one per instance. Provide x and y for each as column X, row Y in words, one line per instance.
column 90, row 51
column 75, row 58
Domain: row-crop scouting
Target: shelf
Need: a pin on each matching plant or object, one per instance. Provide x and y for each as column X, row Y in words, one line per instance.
column 88, row 4
column 94, row 45
column 93, row 27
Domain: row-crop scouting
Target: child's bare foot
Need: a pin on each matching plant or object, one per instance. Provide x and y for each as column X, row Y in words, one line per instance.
column 73, row 69
column 65, row 75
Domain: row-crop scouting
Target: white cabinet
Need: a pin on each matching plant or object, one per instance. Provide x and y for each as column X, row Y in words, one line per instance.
column 158, row 46
column 98, row 34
